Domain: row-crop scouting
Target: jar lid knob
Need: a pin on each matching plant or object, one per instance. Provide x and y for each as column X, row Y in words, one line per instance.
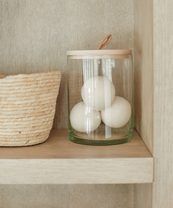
column 104, row 43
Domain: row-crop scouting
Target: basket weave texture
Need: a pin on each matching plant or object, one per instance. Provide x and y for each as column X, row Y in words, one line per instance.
column 27, row 107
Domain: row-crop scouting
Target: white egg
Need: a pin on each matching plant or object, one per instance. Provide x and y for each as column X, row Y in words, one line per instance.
column 117, row 115
column 84, row 119
column 98, row 92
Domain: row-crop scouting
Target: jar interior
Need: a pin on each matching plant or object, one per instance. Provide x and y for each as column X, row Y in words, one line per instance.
column 101, row 101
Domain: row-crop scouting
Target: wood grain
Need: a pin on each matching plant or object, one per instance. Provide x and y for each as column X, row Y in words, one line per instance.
column 163, row 104
column 59, row 161
column 58, row 146
column 76, row 171
column 143, row 44
column 160, row 194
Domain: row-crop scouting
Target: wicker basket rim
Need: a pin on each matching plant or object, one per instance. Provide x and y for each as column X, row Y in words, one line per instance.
column 5, row 76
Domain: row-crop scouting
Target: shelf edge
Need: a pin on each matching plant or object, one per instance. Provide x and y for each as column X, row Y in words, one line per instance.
column 76, row 171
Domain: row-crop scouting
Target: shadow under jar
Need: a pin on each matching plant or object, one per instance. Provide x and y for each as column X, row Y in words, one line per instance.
column 100, row 96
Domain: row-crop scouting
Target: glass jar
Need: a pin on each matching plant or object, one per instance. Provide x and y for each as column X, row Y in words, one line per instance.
column 100, row 96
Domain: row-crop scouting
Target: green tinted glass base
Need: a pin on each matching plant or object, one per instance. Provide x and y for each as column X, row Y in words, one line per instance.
column 87, row 141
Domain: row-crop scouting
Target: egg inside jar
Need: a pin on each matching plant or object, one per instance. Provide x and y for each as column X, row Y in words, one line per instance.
column 100, row 105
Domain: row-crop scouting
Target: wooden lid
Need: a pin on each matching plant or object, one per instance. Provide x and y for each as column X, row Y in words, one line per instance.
column 92, row 54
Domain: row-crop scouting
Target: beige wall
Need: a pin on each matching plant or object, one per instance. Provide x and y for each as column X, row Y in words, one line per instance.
column 67, row 196
column 34, row 36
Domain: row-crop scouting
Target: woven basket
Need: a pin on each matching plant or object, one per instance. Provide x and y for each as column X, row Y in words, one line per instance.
column 27, row 107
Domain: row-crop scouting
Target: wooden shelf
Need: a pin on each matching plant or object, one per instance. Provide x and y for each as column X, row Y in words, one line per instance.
column 59, row 161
